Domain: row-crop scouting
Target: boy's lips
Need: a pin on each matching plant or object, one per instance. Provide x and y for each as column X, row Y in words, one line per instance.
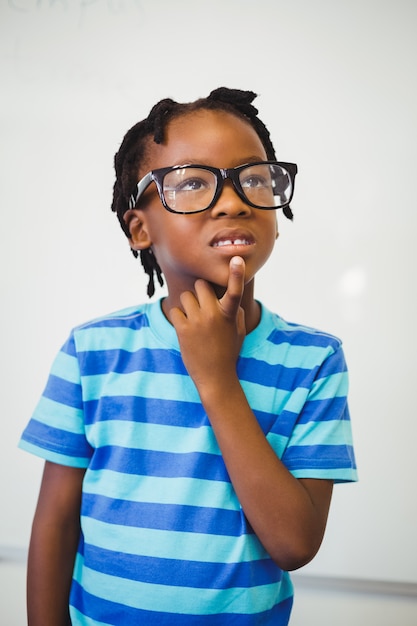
column 232, row 238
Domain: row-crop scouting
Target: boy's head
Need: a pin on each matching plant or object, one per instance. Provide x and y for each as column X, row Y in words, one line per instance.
column 131, row 160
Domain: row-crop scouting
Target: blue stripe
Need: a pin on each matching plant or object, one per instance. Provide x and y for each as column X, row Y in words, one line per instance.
column 277, row 376
column 64, row 392
column 321, row 457
column 169, row 517
column 196, row 574
column 297, row 335
column 99, row 609
column 128, row 318
column 192, row 415
column 285, row 424
column 313, row 411
column 334, row 365
column 184, row 414
column 160, row 361
column 56, row 439
column 324, row 410
column 121, row 361
column 69, row 346
column 139, row 409
column 159, row 463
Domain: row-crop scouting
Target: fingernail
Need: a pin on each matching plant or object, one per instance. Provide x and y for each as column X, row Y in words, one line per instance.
column 237, row 260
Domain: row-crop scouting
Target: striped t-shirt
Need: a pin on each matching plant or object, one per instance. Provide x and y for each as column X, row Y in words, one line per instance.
column 164, row 540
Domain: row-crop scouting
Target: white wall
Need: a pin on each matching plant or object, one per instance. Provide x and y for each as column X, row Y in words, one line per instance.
column 337, row 85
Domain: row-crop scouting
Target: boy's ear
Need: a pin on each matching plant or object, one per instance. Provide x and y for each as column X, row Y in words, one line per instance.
column 139, row 237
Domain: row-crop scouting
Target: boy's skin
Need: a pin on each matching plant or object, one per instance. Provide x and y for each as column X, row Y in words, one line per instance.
column 211, row 305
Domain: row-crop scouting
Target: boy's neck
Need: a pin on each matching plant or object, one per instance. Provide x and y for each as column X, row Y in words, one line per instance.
column 252, row 310
column 249, row 304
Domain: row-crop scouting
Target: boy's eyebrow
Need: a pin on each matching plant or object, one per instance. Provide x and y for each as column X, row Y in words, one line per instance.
column 254, row 158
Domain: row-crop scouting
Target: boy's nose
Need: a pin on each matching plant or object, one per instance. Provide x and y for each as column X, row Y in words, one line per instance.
column 229, row 203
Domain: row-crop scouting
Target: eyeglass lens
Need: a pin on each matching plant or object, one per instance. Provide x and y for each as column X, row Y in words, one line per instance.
column 191, row 189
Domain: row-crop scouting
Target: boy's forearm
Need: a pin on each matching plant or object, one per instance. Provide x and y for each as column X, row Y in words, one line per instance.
column 53, row 546
column 284, row 515
column 50, row 566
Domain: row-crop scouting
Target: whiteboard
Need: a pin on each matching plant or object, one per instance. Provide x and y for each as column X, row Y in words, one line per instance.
column 337, row 85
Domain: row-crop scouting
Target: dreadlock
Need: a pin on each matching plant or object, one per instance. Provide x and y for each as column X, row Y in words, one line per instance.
column 128, row 159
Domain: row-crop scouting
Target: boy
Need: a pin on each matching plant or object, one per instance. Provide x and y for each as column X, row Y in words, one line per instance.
column 196, row 438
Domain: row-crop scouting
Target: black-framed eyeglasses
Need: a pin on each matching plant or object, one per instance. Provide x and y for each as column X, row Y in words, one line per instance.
column 195, row 188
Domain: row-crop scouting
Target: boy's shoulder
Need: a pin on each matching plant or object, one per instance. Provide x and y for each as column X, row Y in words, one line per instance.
column 129, row 317
column 114, row 329
column 130, row 329
column 294, row 333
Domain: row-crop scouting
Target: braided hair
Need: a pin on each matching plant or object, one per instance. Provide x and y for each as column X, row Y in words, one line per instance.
column 131, row 154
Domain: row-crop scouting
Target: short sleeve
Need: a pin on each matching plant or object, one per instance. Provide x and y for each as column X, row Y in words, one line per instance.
column 320, row 445
column 56, row 430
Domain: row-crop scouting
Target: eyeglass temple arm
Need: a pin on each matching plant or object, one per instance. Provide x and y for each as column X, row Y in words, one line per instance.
column 140, row 188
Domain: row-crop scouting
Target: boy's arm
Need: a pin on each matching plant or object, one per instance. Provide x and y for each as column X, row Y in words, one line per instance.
column 53, row 545
column 288, row 515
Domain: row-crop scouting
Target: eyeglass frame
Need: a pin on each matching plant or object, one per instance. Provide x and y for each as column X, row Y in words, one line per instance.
column 232, row 173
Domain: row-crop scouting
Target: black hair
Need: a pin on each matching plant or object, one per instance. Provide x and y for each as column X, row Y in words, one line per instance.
column 128, row 159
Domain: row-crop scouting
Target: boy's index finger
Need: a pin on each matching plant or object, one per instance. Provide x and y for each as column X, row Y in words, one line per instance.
column 232, row 298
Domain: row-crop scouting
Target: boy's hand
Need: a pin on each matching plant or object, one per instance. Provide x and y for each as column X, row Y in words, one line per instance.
column 211, row 331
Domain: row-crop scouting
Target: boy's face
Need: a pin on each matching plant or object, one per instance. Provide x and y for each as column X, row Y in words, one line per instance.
column 193, row 246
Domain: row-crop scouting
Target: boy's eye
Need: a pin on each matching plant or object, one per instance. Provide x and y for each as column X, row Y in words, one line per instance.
column 255, row 181
column 256, row 177
column 192, row 184
column 187, row 189
column 188, row 179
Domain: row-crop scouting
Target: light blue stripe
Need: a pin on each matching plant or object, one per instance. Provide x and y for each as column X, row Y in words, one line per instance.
column 277, row 442
column 59, row 415
column 54, row 457
column 180, row 491
column 177, row 599
column 266, row 399
column 158, row 437
column 346, row 474
column 178, row 387
column 66, row 366
column 332, row 433
column 146, row 384
column 172, row 545
column 118, row 338
column 296, row 356
column 333, row 386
